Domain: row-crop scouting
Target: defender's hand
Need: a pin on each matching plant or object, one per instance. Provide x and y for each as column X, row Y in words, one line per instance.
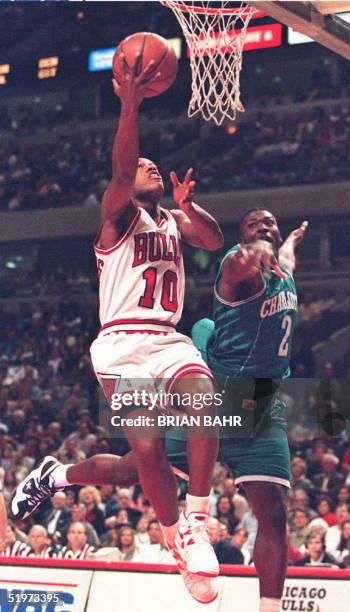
column 298, row 234
column 133, row 82
column 259, row 255
column 183, row 192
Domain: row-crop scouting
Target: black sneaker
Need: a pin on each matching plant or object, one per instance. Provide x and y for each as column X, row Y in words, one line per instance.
column 36, row 487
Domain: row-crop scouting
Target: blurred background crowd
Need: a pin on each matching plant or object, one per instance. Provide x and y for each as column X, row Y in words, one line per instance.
column 49, row 404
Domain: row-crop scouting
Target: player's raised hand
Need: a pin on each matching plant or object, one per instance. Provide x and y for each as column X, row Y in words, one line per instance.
column 298, row 234
column 183, row 192
column 133, row 81
column 260, row 255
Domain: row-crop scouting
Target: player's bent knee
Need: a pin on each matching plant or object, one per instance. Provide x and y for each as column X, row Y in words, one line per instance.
column 195, row 383
column 149, row 450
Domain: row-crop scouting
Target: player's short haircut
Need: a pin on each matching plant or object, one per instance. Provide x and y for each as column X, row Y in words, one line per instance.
column 243, row 217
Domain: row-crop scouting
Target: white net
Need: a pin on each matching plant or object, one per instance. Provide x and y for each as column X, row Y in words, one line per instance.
column 215, row 34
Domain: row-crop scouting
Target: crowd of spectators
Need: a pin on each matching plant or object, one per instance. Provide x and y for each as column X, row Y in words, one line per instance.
column 49, row 405
column 273, row 150
column 263, row 150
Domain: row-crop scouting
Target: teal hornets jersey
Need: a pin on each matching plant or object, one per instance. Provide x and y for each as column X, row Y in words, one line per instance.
column 253, row 336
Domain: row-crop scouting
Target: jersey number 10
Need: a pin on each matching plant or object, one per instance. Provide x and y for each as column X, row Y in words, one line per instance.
column 168, row 298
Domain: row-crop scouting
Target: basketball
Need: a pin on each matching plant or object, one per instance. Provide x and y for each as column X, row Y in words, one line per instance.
column 152, row 47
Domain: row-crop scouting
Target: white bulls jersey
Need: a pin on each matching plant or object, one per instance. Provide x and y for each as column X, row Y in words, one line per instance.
column 142, row 275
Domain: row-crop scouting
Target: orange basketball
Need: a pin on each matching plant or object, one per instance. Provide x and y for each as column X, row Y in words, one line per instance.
column 152, row 47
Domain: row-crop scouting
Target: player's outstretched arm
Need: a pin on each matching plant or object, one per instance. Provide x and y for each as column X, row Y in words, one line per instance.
column 249, row 263
column 125, row 153
column 287, row 251
column 197, row 227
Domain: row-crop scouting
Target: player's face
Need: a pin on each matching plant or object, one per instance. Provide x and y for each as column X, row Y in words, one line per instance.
column 261, row 225
column 148, row 182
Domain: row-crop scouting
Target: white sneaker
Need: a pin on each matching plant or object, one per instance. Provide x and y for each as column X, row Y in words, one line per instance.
column 34, row 489
column 202, row 589
column 193, row 545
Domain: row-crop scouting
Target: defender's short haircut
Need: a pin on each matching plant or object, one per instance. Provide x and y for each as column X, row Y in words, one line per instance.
column 256, row 208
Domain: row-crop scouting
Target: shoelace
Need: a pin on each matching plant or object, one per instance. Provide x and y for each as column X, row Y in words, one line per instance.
column 45, row 490
column 198, row 527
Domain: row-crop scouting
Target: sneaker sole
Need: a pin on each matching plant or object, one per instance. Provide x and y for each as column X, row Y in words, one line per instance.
column 206, row 574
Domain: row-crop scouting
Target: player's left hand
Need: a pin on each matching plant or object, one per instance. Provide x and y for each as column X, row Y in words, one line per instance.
column 183, row 192
column 298, row 234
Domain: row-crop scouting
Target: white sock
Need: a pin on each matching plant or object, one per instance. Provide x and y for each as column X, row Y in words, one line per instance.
column 169, row 533
column 270, row 605
column 59, row 476
column 196, row 504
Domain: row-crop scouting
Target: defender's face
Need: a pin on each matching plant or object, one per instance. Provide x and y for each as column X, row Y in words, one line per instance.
column 261, row 225
column 148, row 180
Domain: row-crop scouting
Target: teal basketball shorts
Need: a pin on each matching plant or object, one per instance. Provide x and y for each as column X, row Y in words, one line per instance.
column 250, row 459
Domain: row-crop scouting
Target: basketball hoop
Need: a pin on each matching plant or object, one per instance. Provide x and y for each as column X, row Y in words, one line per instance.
column 215, row 35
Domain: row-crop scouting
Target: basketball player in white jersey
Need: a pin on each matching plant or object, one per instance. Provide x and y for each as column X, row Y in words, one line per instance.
column 139, row 260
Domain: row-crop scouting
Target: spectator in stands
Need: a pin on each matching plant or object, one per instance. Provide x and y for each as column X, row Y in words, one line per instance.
column 121, row 518
column 299, row 480
column 225, row 551
column 314, row 455
column 126, row 542
column 77, row 544
column 333, row 535
column 294, row 554
column 300, row 528
column 300, row 499
column 343, row 496
column 39, row 543
column 225, row 510
column 342, row 551
column 316, row 552
column 78, row 515
column 90, row 497
column 109, row 500
column 70, row 453
column 124, row 500
column 155, row 551
column 240, row 503
column 250, row 524
column 239, row 540
column 14, row 547
column 330, row 479
column 84, row 439
column 324, row 511
column 142, row 536
column 57, row 518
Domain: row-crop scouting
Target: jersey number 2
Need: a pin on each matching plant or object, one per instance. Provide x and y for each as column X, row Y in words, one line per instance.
column 287, row 326
column 168, row 298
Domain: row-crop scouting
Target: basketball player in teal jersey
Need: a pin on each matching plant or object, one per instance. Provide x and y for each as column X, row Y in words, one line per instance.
column 257, row 270
column 255, row 302
column 246, row 346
